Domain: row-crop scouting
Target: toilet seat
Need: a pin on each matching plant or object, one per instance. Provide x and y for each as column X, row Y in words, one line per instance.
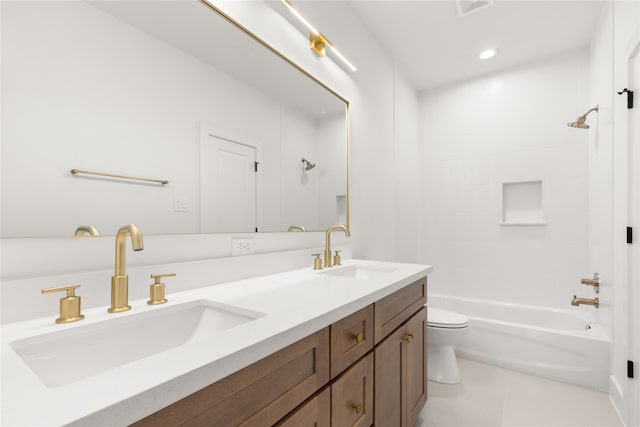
column 437, row 318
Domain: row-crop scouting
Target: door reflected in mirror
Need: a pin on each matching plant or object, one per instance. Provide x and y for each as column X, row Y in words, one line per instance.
column 168, row 90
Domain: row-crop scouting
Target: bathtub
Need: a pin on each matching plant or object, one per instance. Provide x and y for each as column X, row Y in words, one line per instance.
column 562, row 345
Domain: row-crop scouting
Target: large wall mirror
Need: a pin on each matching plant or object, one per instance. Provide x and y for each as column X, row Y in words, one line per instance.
column 168, row 90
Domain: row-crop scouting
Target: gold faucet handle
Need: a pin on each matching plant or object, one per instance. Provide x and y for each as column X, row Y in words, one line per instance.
column 317, row 263
column 595, row 282
column 336, row 258
column 69, row 305
column 156, row 289
column 157, row 277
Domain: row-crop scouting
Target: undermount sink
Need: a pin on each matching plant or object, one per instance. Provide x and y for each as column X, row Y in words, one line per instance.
column 359, row 271
column 61, row 358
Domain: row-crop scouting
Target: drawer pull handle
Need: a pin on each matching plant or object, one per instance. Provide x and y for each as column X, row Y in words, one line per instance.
column 408, row 337
column 357, row 407
column 358, row 337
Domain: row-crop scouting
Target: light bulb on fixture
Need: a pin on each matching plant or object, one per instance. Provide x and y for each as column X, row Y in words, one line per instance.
column 301, row 18
column 489, row 53
column 317, row 41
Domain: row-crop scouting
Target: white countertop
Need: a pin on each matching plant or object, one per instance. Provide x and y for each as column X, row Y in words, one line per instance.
column 295, row 304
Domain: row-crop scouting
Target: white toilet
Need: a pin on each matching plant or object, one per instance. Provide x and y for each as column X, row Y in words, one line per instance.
column 444, row 329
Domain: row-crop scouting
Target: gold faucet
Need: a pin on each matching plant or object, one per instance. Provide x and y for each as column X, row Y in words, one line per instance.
column 86, row 229
column 297, row 227
column 327, row 249
column 120, row 281
column 588, row 301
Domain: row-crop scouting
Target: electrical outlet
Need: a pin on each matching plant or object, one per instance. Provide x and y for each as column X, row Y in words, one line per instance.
column 241, row 246
column 181, row 205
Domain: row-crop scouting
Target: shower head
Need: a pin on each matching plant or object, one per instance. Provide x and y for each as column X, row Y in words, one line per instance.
column 578, row 124
column 580, row 121
column 307, row 164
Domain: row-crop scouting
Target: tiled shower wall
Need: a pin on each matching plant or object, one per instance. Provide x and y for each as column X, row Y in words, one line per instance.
column 503, row 128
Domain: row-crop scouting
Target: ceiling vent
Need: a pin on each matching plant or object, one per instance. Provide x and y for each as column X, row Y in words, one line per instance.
column 467, row 7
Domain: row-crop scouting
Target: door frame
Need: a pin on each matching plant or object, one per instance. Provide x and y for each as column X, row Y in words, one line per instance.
column 633, row 212
column 207, row 131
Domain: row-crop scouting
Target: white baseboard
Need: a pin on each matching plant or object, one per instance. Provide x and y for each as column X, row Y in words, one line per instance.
column 616, row 394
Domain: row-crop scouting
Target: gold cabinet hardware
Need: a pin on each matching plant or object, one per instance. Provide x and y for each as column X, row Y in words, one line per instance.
column 408, row 337
column 69, row 305
column 327, row 248
column 357, row 407
column 336, row 258
column 358, row 337
column 595, row 282
column 317, row 263
column 156, row 289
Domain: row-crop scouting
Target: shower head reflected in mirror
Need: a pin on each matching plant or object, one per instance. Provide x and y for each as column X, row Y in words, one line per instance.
column 307, row 164
column 580, row 121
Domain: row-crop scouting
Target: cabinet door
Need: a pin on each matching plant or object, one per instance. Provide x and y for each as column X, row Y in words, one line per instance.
column 416, row 360
column 401, row 374
column 314, row 413
column 352, row 396
column 351, row 338
column 389, row 376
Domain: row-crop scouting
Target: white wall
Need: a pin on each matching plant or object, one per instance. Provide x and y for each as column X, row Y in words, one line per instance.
column 407, row 165
column 600, row 167
column 331, row 164
column 507, row 127
column 300, row 202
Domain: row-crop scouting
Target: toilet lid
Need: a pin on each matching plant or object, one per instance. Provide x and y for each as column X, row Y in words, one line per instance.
column 445, row 319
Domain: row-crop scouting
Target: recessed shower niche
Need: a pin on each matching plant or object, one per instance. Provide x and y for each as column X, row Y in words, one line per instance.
column 522, row 203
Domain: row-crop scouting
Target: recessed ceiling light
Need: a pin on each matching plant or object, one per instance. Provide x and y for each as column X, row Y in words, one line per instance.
column 487, row 54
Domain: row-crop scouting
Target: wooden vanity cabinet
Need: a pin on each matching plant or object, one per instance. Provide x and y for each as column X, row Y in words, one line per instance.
column 260, row 394
column 352, row 396
column 393, row 310
column 316, row 412
column 401, row 374
column 351, row 338
column 368, row 367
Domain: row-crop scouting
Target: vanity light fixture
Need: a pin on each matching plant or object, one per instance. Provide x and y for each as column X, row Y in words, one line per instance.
column 489, row 53
column 301, row 18
column 317, row 41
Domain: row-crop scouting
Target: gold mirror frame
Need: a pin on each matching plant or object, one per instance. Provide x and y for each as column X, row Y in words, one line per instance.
column 309, row 75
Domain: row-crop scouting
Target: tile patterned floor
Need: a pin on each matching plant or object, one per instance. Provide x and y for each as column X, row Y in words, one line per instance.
column 492, row 397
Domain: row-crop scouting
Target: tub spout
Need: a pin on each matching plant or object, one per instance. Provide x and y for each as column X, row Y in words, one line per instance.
column 587, row 301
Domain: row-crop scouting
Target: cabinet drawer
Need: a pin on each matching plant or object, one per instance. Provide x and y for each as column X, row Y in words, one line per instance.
column 393, row 310
column 258, row 395
column 352, row 396
column 351, row 338
column 314, row 413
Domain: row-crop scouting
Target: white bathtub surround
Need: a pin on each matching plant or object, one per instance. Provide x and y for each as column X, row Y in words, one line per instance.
column 510, row 127
column 563, row 345
column 294, row 304
column 496, row 397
